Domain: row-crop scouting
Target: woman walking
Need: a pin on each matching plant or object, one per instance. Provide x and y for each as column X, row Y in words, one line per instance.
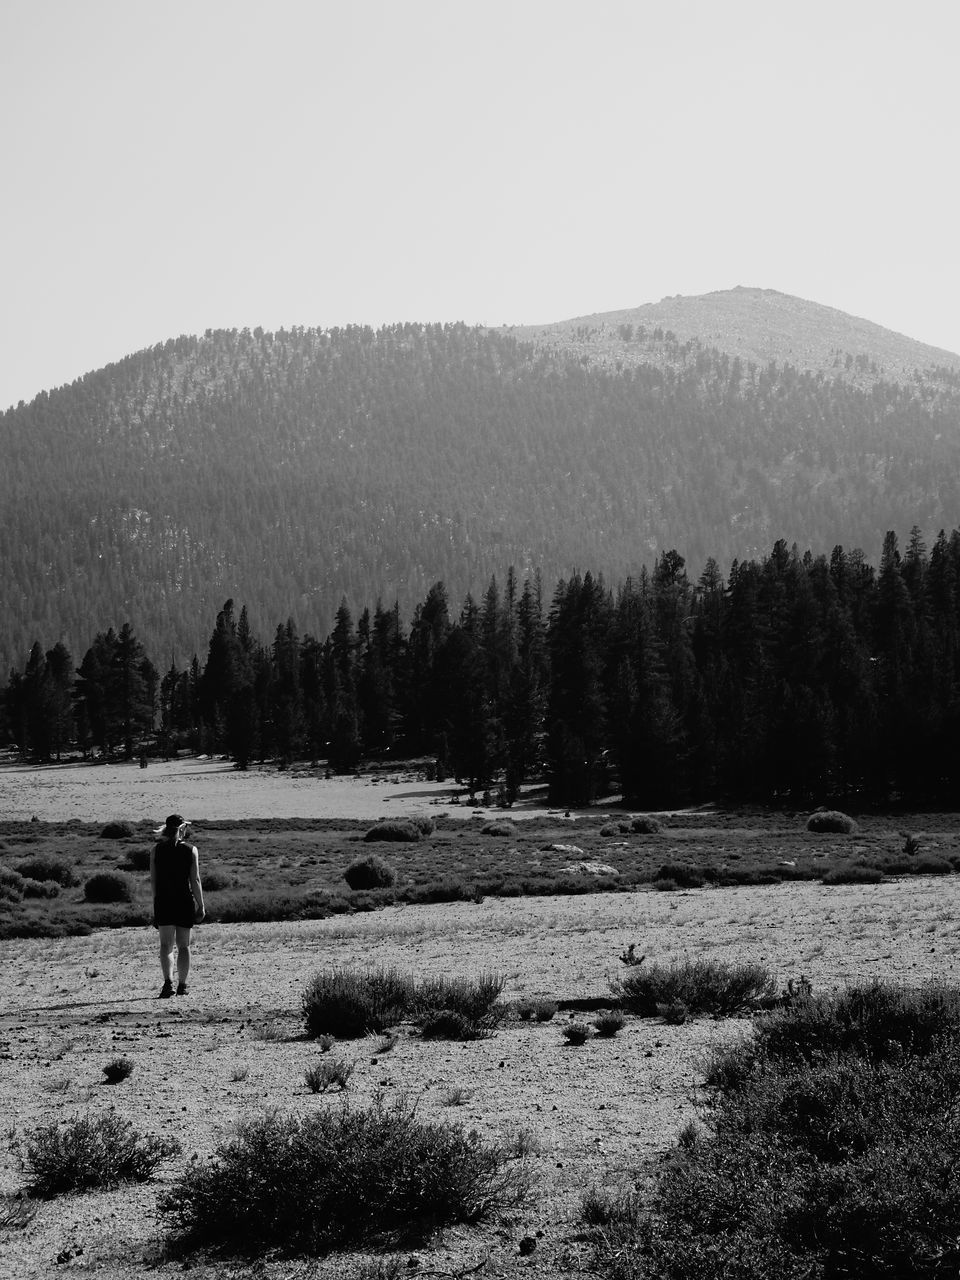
column 177, row 900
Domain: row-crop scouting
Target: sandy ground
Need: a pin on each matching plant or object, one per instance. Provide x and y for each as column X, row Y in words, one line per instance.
column 234, row 1046
column 211, row 788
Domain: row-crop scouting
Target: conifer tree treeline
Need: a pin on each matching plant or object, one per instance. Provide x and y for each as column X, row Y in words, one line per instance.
column 799, row 679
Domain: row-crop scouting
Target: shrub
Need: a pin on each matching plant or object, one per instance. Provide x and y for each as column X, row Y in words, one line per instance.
column 11, row 885
column 473, row 998
column 424, row 824
column 853, row 873
column 682, row 875
column 347, row 1004
column 117, row 1069
column 831, row 821
column 609, row 1023
column 84, row 1153
column 448, row 1024
column 139, row 860
column 338, row 1179
column 665, row 886
column 852, row 1156
column 498, row 829
column 117, row 831
column 215, row 880
column 929, row 864
column 108, row 886
column 396, row 831
column 576, row 1033
column 544, row 1010
column 704, row 986
column 370, row 872
column 525, row 1009
column 41, row 889
column 675, row 1013
column 330, row 1071
column 645, row 826
column 447, row 889
column 45, row 867
column 611, row 829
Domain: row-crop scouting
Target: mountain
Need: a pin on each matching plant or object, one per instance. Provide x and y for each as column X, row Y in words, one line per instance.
column 288, row 470
column 759, row 326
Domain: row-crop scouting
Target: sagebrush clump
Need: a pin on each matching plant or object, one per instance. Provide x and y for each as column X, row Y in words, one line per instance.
column 370, row 872
column 839, row 1115
column 108, row 886
column 701, row 985
column 350, row 1003
column 396, row 831
column 84, row 1153
column 831, row 822
column 339, row 1178
column 47, row 868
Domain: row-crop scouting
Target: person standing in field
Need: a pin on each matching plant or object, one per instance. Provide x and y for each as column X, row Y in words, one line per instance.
column 177, row 899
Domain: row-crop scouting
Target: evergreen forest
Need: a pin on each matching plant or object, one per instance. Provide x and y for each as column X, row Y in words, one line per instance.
column 796, row 679
column 293, row 470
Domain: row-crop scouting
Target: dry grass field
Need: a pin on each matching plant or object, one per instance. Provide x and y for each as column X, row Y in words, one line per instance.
column 235, row 1046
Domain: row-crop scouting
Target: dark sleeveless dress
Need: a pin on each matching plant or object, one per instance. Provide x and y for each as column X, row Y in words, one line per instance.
column 173, row 902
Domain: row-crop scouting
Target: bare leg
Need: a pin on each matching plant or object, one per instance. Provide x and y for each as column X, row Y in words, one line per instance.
column 168, row 933
column 183, row 953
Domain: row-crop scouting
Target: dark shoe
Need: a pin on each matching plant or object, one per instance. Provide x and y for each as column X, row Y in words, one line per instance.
column 181, row 988
column 166, row 990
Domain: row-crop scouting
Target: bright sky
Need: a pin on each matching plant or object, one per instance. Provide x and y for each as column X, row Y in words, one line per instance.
column 173, row 165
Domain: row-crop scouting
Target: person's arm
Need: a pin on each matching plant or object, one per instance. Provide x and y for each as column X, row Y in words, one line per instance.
column 196, row 888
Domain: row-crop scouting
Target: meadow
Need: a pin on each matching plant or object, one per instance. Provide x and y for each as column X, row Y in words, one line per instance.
column 547, row 902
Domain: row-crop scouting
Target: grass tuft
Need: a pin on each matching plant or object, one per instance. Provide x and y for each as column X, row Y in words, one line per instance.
column 118, row 1069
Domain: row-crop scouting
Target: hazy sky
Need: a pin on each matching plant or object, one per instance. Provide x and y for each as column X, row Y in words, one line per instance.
column 178, row 165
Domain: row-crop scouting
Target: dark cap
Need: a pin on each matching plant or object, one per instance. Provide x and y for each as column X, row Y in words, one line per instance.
column 174, row 822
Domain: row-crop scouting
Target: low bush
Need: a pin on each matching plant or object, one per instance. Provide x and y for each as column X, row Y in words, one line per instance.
column 340, row 1178
column 448, row 1024
column 11, row 885
column 118, row 1069
column 108, row 886
column 929, row 864
column 675, row 1013
column 328, row 1072
column 576, row 1033
column 117, row 831
column 447, row 889
column 545, row 1010
column 831, row 821
column 498, row 829
column 853, row 873
column 41, row 889
column 139, row 860
column 682, row 875
column 84, row 1153
column 644, row 825
column 46, row 867
column 396, row 831
column 216, row 880
column 847, row 1143
column 609, row 1023
column 349, row 1003
column 704, row 986
column 370, row 872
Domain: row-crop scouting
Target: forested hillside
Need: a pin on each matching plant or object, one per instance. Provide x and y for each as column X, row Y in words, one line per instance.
column 294, row 469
